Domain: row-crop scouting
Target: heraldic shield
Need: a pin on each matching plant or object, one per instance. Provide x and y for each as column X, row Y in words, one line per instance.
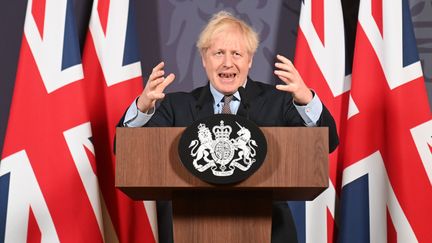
column 222, row 149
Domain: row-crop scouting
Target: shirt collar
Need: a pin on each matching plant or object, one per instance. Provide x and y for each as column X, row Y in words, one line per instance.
column 218, row 96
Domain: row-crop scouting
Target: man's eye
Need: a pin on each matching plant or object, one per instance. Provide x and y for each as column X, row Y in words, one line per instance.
column 237, row 54
column 219, row 53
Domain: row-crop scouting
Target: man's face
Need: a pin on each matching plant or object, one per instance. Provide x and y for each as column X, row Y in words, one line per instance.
column 227, row 61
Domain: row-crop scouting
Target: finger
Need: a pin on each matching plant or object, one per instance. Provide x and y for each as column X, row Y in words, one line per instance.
column 287, row 65
column 283, row 66
column 155, row 75
column 156, row 71
column 284, row 59
column 158, row 67
column 285, row 76
column 282, row 87
column 153, row 84
column 285, row 80
column 168, row 80
column 156, row 95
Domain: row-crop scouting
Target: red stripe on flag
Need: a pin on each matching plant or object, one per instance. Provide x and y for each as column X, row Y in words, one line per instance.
column 33, row 232
column 377, row 14
column 92, row 159
column 330, row 227
column 103, row 10
column 318, row 18
column 38, row 12
column 391, row 231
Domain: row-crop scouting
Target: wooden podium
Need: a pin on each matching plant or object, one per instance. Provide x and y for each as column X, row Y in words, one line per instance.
column 148, row 168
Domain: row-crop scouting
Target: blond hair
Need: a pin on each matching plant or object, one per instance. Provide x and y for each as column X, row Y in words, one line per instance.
column 217, row 24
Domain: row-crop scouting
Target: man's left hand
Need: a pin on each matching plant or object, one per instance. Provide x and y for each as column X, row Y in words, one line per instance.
column 294, row 84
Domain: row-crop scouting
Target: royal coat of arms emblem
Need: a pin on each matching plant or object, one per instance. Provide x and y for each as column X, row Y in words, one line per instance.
column 223, row 154
column 222, row 148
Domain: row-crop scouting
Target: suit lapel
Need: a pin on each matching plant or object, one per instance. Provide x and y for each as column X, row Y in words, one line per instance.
column 203, row 105
column 253, row 93
column 206, row 111
column 242, row 111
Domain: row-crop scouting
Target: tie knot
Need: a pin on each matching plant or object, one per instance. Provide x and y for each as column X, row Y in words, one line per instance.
column 228, row 98
column 226, row 107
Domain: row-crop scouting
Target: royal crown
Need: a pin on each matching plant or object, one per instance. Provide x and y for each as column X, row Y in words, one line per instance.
column 222, row 131
column 203, row 129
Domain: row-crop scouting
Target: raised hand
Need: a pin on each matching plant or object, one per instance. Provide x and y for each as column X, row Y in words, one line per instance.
column 294, row 84
column 154, row 89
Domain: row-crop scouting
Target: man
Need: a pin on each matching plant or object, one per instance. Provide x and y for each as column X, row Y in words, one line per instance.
column 227, row 46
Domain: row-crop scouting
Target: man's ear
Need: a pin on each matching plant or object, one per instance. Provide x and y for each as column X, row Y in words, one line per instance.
column 251, row 61
column 202, row 53
column 203, row 60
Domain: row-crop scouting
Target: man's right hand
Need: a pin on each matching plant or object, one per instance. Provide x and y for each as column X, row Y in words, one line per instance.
column 154, row 89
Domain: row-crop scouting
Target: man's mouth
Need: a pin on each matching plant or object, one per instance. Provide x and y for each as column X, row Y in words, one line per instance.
column 227, row 75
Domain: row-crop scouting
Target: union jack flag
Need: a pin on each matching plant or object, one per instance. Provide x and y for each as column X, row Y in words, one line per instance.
column 320, row 59
column 381, row 173
column 57, row 168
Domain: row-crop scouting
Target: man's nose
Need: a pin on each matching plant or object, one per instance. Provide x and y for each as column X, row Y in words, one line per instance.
column 228, row 62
